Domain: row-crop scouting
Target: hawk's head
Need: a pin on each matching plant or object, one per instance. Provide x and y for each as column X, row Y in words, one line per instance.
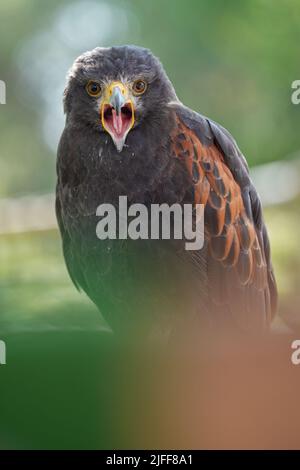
column 114, row 89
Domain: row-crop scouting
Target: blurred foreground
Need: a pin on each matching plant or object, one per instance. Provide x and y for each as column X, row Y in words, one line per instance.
column 62, row 390
column 68, row 384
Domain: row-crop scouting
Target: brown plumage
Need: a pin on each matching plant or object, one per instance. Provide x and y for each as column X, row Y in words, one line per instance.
column 235, row 244
column 171, row 155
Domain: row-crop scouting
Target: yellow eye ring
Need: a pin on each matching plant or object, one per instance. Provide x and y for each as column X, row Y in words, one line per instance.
column 139, row 87
column 93, row 88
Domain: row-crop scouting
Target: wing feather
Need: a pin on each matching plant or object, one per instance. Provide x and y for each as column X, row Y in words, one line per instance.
column 239, row 266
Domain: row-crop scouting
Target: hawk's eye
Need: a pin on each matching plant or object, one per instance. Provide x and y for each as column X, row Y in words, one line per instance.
column 93, row 88
column 139, row 87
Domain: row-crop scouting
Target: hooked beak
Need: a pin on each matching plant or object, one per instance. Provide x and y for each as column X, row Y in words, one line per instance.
column 117, row 113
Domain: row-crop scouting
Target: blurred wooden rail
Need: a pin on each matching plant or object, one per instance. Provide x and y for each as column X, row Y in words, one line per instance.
column 27, row 213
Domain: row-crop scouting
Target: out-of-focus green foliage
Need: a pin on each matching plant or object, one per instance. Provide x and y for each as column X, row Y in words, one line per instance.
column 234, row 61
column 36, row 293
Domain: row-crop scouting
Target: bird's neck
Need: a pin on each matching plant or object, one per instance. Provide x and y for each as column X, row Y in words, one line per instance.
column 136, row 171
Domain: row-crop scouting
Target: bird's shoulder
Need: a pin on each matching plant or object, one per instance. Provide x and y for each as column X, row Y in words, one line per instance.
column 236, row 232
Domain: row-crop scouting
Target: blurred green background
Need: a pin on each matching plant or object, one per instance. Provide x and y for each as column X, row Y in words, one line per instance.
column 233, row 61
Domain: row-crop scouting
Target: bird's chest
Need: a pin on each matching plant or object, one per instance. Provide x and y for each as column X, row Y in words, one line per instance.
column 142, row 177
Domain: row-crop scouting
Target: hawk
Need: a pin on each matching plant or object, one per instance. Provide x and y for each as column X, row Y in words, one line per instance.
column 127, row 133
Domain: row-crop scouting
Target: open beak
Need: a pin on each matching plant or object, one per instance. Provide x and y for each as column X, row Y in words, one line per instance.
column 117, row 113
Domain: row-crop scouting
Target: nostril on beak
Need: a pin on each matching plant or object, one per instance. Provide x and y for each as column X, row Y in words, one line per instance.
column 117, row 100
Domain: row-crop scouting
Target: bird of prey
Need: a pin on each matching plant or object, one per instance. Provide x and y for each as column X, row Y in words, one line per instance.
column 127, row 133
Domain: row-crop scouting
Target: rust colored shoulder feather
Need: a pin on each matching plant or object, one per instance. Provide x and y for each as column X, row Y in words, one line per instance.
column 239, row 264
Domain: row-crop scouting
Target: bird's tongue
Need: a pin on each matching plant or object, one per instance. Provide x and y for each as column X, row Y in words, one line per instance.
column 117, row 125
column 117, row 122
